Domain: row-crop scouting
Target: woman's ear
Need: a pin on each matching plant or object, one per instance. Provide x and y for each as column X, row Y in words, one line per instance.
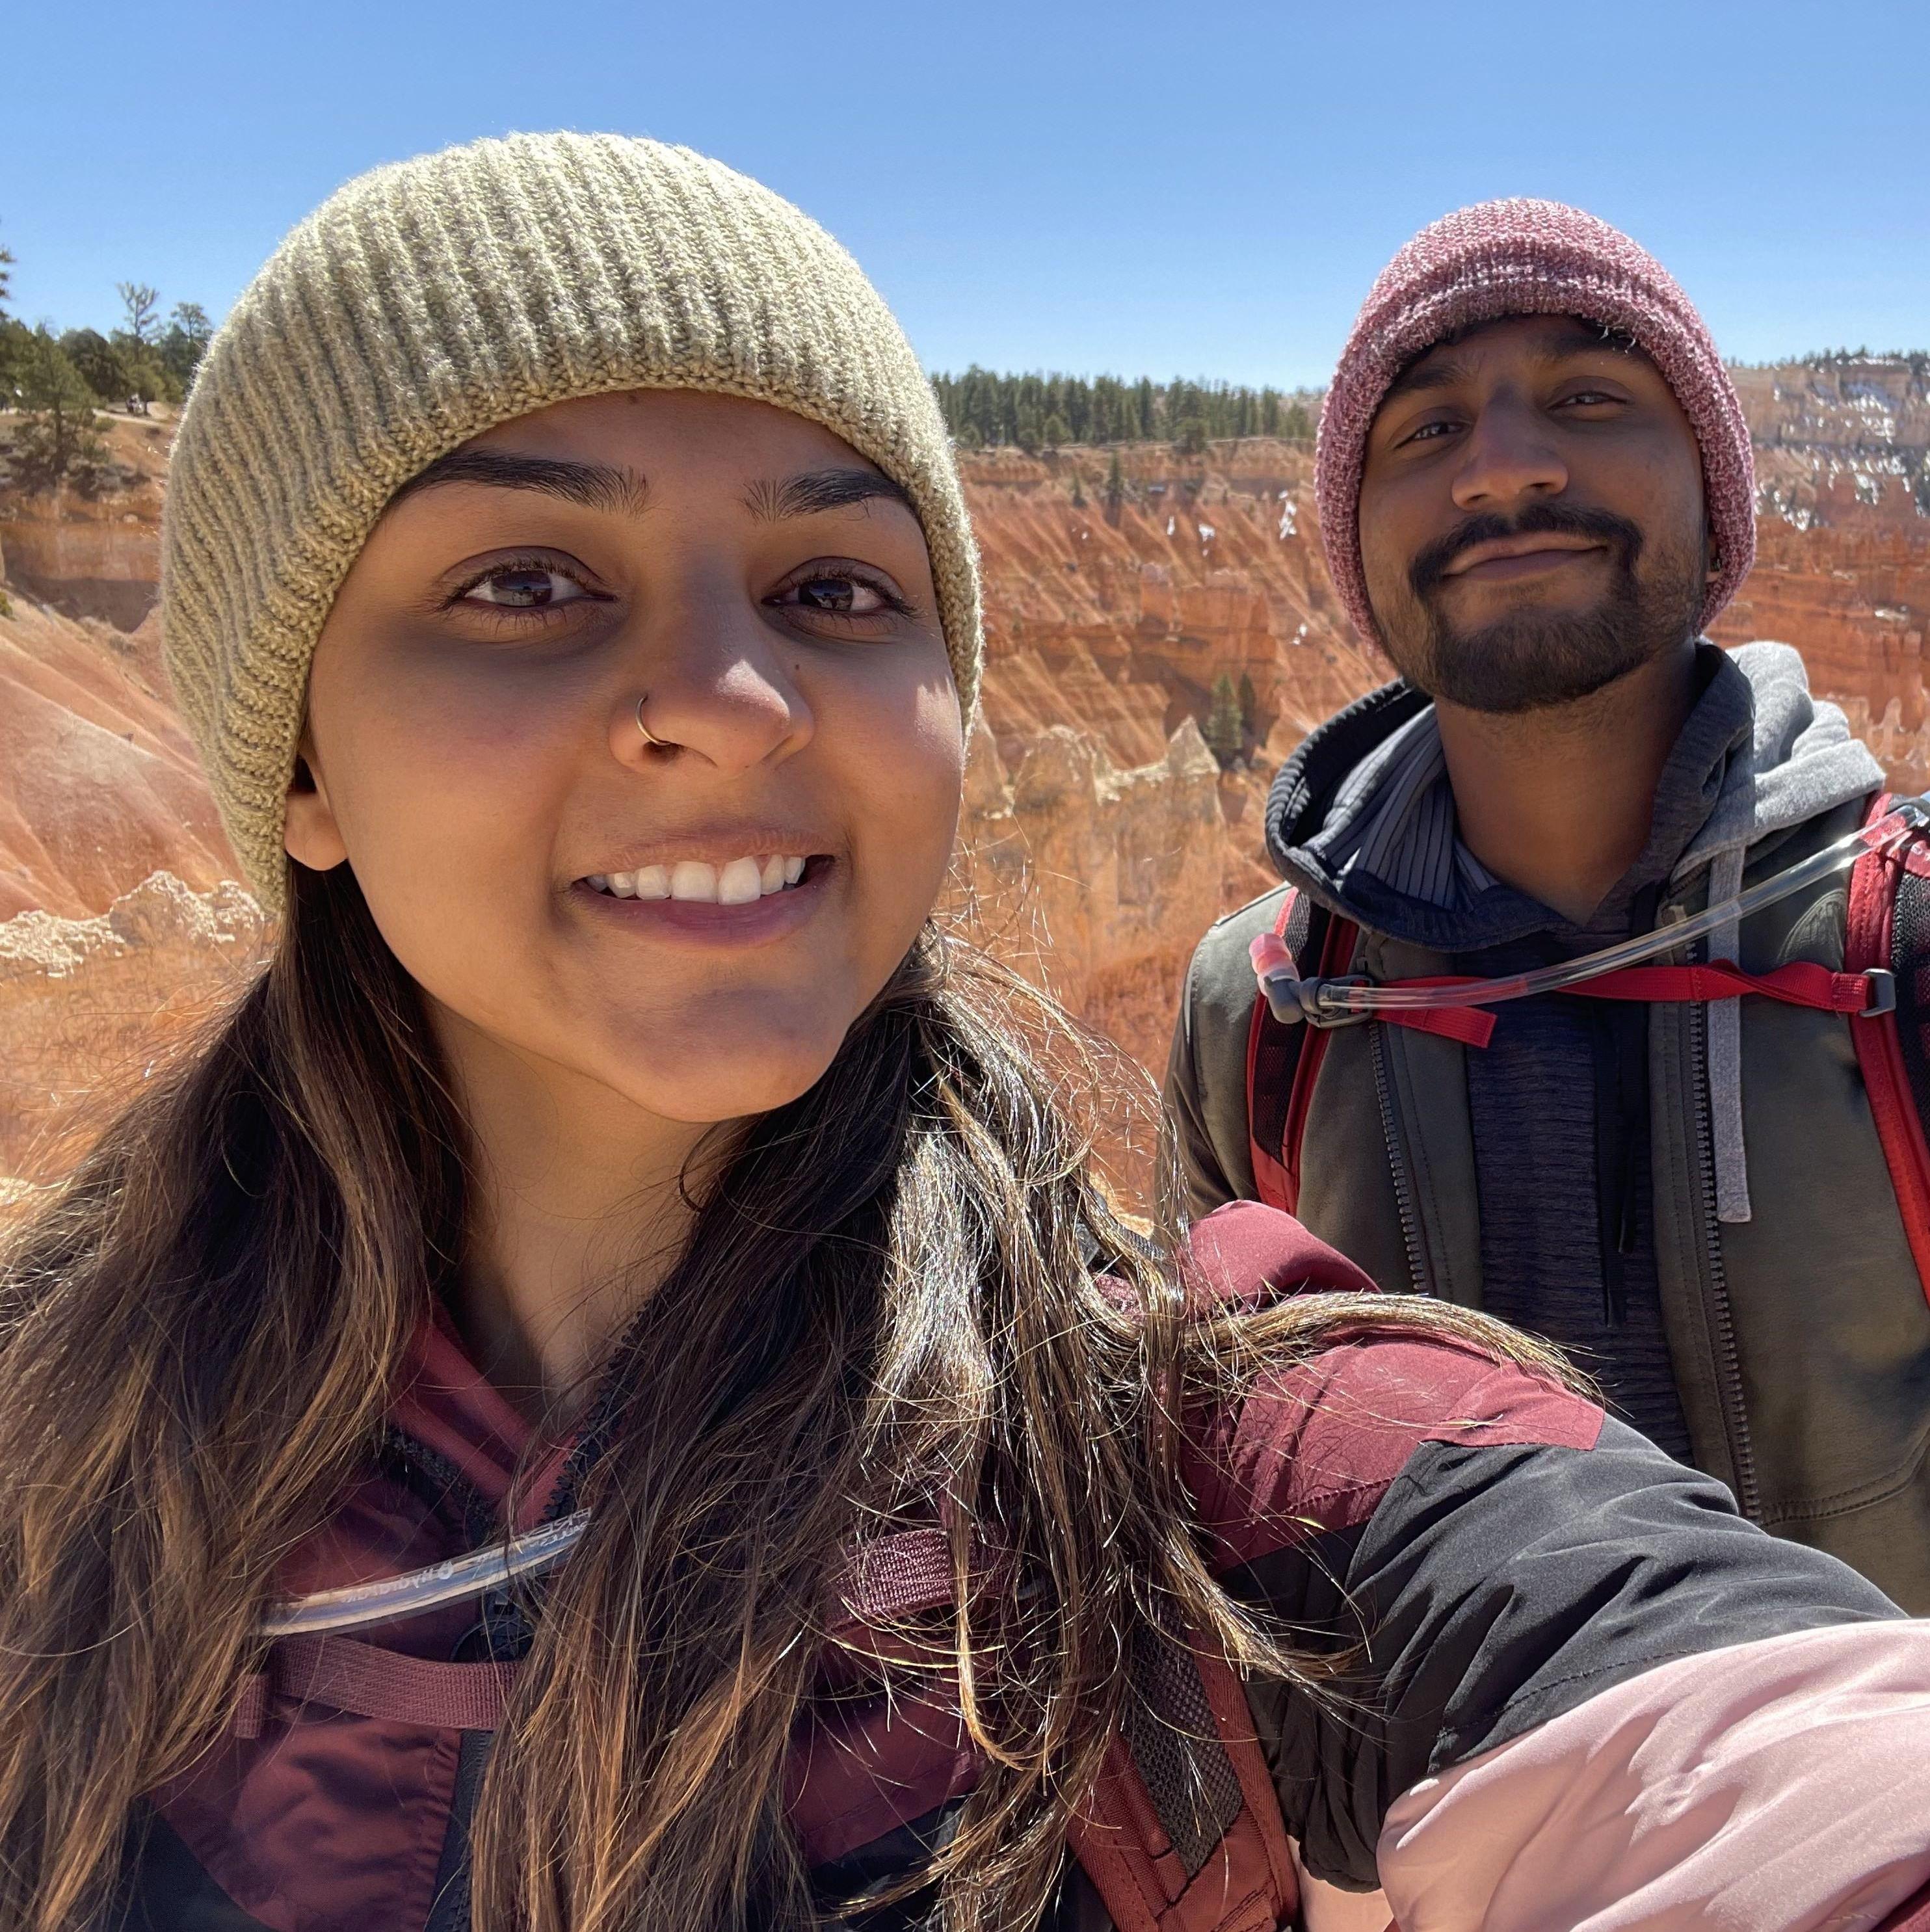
column 309, row 831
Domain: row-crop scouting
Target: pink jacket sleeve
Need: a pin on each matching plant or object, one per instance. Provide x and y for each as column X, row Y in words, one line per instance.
column 1781, row 1785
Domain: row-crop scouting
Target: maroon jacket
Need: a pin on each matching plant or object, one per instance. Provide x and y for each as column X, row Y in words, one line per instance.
column 1515, row 1577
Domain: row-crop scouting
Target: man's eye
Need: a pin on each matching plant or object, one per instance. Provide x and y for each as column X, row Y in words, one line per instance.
column 1431, row 432
column 525, row 587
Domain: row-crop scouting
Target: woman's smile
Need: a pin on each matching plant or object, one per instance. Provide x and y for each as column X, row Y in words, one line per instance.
column 746, row 901
column 727, row 769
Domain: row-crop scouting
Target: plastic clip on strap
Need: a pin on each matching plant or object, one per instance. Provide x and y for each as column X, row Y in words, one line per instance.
column 1449, row 1006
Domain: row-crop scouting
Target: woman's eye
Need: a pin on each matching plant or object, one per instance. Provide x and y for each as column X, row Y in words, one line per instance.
column 525, row 587
column 837, row 593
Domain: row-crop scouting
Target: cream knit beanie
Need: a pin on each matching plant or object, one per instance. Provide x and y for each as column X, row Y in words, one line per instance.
column 427, row 301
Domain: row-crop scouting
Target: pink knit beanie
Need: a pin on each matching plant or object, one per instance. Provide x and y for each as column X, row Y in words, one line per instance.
column 1520, row 257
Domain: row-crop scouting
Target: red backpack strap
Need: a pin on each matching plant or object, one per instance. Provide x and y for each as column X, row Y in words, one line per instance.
column 1284, row 1062
column 1869, row 943
column 1183, row 1832
column 340, row 1674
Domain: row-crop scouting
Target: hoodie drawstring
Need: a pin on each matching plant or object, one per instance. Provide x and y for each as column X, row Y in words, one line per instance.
column 1725, row 1052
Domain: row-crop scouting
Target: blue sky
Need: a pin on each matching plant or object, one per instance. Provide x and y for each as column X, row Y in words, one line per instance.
column 1189, row 188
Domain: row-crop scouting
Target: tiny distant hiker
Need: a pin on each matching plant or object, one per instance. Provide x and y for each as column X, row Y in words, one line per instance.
column 1536, row 492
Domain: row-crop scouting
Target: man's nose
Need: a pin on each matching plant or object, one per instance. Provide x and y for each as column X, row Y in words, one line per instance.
column 1510, row 455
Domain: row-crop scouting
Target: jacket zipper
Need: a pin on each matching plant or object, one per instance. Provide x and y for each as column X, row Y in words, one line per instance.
column 1728, row 1356
column 451, row 1911
column 1397, row 1161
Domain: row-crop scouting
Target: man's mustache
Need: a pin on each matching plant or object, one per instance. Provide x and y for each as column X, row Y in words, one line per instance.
column 1431, row 562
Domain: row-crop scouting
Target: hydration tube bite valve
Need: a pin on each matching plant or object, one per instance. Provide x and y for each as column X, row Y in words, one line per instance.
column 1347, row 1000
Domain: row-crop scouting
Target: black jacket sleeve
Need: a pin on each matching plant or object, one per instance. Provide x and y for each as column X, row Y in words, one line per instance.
column 1493, row 1589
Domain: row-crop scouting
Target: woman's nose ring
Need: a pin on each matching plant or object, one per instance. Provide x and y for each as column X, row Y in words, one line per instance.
column 649, row 736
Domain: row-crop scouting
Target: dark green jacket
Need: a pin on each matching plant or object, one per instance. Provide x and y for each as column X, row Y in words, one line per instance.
column 1800, row 1338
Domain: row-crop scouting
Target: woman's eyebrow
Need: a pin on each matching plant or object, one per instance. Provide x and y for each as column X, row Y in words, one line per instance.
column 816, row 490
column 596, row 486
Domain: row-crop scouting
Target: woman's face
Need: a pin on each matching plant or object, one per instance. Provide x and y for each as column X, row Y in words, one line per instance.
column 693, row 923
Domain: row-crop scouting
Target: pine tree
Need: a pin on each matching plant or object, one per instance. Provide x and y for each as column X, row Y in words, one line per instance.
column 1222, row 734
column 1056, row 433
column 57, row 435
column 93, row 355
column 184, row 341
column 1099, row 410
column 1115, row 487
column 1250, row 706
column 14, row 338
column 141, row 302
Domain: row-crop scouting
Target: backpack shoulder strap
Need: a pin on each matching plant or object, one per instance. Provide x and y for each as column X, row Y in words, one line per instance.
column 1183, row 1832
column 1284, row 1062
column 1889, row 928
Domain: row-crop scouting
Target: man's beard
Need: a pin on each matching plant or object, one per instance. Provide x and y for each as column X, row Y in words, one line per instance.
column 1533, row 658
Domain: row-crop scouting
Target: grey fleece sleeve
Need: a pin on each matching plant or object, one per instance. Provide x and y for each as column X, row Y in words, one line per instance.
column 1206, row 1095
column 1192, row 1181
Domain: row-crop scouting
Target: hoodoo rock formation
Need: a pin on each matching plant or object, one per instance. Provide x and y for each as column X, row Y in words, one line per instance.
column 1101, row 834
column 1843, row 541
column 89, row 1007
column 1116, row 613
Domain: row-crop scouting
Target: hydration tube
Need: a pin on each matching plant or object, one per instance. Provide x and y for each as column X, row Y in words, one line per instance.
column 1346, row 1000
column 408, row 1595
column 1321, row 1003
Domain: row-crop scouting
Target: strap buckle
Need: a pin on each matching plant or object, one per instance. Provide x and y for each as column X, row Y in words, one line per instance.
column 1883, row 993
column 1295, row 1000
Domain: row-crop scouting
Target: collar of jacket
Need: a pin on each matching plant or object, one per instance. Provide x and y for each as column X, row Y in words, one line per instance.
column 1301, row 800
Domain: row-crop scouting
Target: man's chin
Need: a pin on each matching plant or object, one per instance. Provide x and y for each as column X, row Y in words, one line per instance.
column 1531, row 662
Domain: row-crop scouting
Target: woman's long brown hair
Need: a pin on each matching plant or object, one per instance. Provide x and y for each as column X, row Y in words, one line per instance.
column 888, row 1307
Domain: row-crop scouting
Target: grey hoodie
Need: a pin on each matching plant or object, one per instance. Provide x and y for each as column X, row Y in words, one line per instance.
column 1361, row 818
column 1759, row 754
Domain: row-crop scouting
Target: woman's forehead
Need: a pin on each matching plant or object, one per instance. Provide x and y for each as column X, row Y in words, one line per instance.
column 608, row 454
column 680, row 425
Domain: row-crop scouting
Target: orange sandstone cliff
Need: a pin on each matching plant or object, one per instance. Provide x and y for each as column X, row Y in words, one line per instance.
column 1100, row 835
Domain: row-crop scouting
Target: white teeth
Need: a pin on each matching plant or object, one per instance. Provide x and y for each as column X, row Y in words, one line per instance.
column 740, row 882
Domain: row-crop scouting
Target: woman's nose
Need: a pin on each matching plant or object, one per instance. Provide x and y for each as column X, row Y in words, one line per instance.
column 714, row 687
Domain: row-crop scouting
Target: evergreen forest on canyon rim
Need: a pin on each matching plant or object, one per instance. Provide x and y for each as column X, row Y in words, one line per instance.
column 1160, row 633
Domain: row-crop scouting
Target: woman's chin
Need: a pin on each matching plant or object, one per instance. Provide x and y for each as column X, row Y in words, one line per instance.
column 708, row 1081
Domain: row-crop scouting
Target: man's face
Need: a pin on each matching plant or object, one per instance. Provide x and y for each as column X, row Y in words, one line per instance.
column 1532, row 521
